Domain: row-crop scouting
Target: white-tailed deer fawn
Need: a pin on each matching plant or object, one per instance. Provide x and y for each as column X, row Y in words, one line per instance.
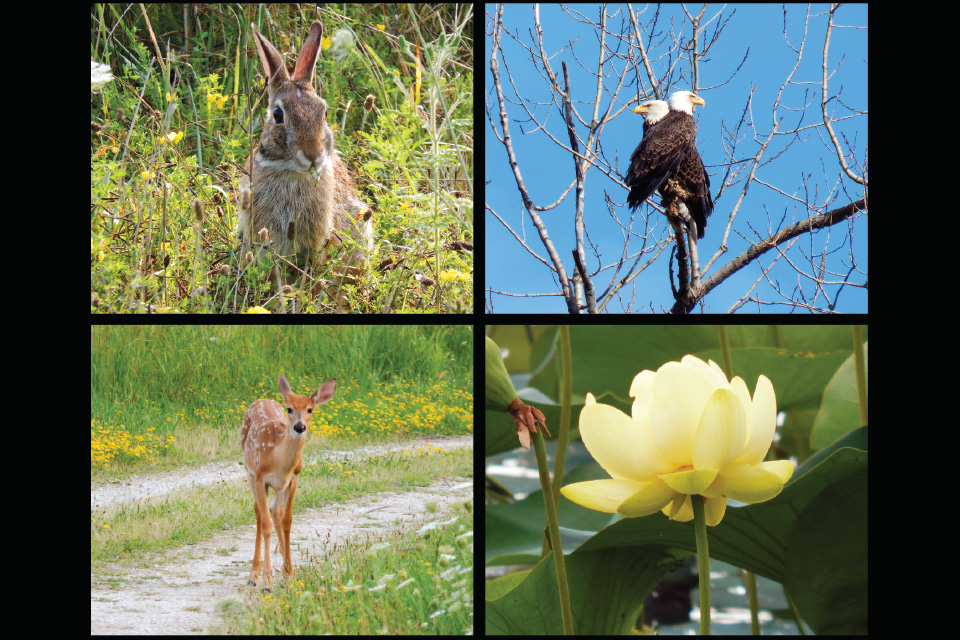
column 272, row 439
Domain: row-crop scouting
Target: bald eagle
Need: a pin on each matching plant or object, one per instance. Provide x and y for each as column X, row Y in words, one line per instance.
column 667, row 157
column 653, row 112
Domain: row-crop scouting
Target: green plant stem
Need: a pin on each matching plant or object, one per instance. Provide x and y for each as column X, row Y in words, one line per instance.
column 554, row 527
column 703, row 562
column 566, row 392
column 860, row 361
column 750, row 578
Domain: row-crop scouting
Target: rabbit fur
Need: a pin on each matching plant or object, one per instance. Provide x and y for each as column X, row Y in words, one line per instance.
column 295, row 174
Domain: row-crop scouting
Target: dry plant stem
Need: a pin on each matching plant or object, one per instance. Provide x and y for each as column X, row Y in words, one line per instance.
column 554, row 527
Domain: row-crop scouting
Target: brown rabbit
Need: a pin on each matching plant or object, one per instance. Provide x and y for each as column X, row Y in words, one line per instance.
column 295, row 174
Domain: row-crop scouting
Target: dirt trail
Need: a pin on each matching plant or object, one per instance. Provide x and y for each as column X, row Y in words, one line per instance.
column 179, row 593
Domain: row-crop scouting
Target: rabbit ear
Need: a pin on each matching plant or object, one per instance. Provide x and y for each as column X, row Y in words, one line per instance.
column 307, row 60
column 271, row 59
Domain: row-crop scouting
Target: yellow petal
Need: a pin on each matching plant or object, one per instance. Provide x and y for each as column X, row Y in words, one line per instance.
column 761, row 423
column 749, row 483
column 722, row 431
column 714, row 510
column 620, row 444
column 691, row 482
column 717, row 489
column 641, row 390
column 739, row 387
column 711, row 371
column 682, row 509
column 601, row 495
column 679, row 394
column 648, row 500
column 679, row 508
column 783, row 468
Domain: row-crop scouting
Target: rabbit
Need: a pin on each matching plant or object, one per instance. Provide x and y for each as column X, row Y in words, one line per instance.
column 295, row 174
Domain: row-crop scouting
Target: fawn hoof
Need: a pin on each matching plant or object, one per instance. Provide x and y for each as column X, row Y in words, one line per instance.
column 253, row 584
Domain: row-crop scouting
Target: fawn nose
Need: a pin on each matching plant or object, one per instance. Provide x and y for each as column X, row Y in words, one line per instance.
column 299, row 427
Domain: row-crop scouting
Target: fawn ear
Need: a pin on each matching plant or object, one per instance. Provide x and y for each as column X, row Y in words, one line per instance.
column 325, row 392
column 283, row 386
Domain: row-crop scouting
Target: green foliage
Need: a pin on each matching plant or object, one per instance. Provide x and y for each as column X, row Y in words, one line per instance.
column 169, row 138
column 812, row 537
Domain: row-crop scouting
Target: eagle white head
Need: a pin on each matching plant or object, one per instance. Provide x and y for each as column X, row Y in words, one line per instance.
column 653, row 111
column 684, row 101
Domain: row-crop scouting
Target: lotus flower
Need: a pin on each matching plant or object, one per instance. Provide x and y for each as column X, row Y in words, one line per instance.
column 692, row 433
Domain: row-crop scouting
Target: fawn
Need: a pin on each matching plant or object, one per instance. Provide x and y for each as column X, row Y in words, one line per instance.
column 272, row 438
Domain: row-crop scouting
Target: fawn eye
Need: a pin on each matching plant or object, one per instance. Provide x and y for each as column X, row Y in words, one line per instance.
column 278, row 115
column 289, row 410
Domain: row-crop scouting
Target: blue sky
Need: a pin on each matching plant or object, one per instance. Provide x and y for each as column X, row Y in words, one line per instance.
column 746, row 69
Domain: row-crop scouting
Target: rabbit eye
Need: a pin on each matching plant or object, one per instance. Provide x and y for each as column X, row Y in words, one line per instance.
column 278, row 115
